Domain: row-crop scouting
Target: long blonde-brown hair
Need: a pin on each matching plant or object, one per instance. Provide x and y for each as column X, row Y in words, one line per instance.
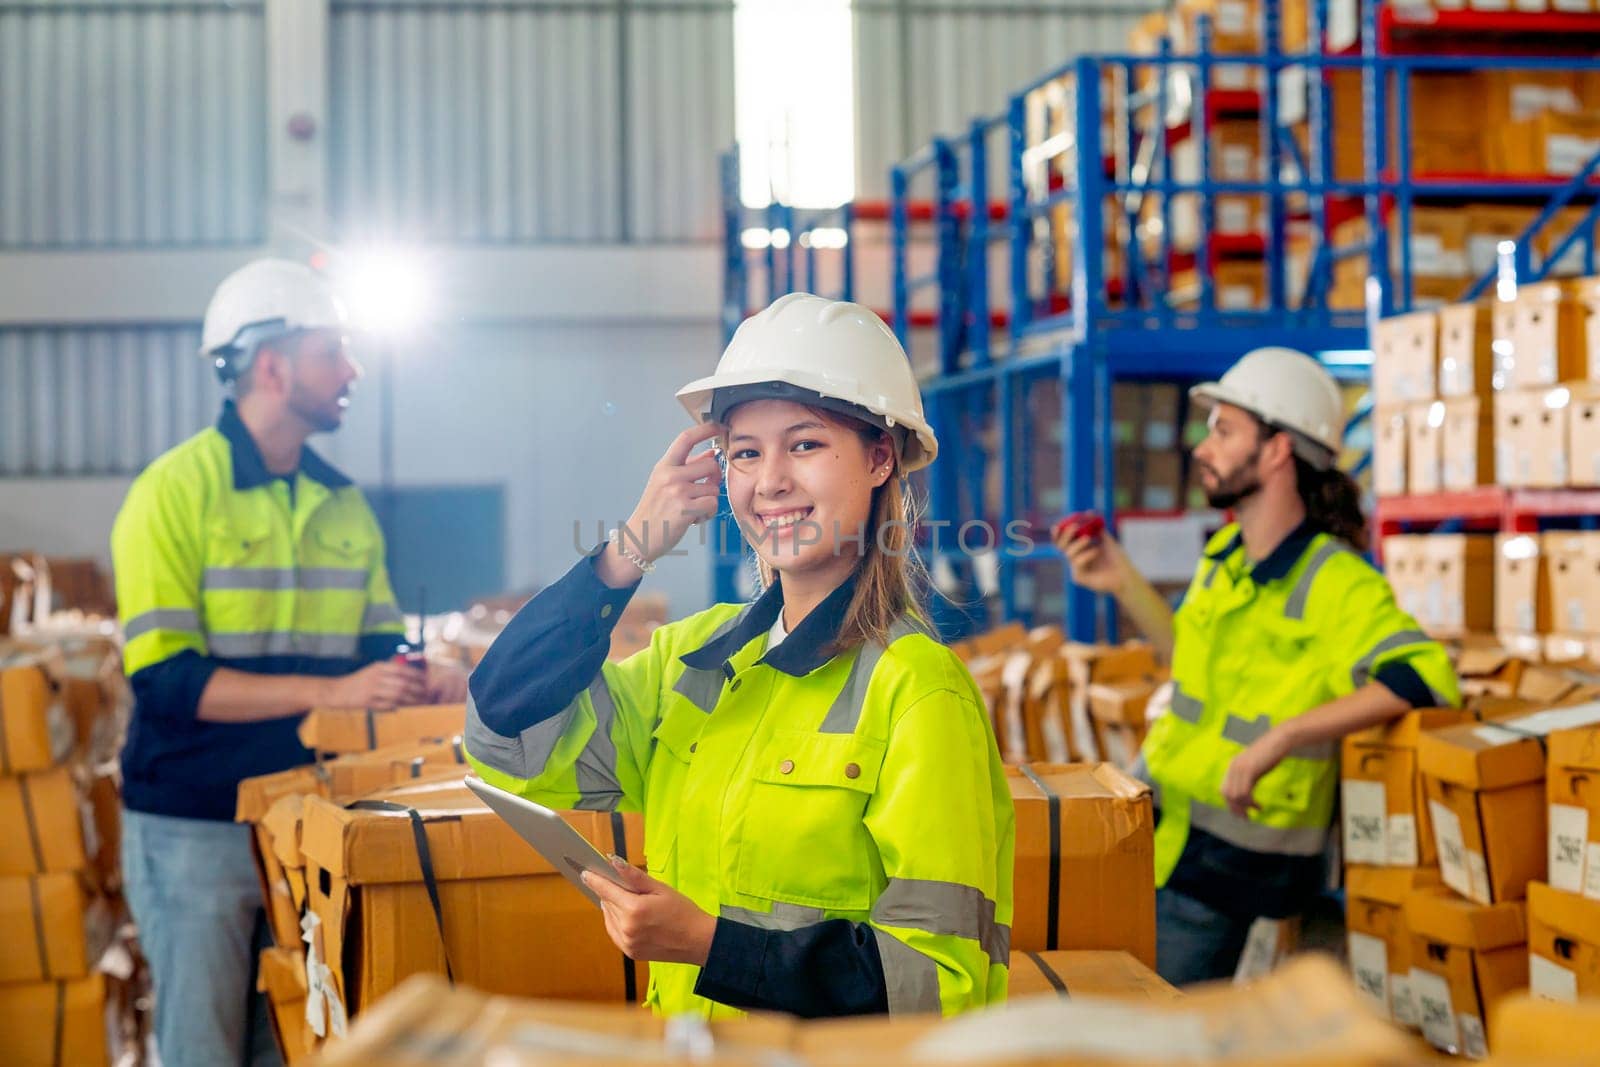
column 890, row 577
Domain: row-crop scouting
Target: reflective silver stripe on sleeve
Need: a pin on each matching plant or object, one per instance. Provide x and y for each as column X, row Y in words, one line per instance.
column 946, row 909
column 185, row 620
column 1361, row 673
column 596, row 767
column 844, row 715
column 911, row 979
column 523, row 756
column 786, row 917
column 1245, row 731
column 1295, row 606
column 275, row 579
column 1186, row 707
column 282, row 643
column 378, row 615
column 1291, row 841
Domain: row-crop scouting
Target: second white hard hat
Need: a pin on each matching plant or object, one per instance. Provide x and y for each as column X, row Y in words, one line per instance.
column 268, row 293
column 830, row 353
column 1290, row 391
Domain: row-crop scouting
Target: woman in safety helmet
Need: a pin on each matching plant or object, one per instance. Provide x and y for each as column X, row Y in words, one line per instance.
column 1286, row 641
column 827, row 821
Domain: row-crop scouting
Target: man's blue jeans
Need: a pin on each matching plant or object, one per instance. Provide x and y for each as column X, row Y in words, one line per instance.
column 1195, row 942
column 192, row 888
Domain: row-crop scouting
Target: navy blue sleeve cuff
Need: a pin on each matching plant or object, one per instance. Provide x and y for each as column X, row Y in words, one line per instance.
column 549, row 652
column 375, row 648
column 829, row 968
column 1402, row 679
column 172, row 688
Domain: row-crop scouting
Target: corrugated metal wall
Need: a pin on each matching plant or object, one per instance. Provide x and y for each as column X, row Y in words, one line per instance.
column 928, row 67
column 99, row 400
column 131, row 125
column 530, row 120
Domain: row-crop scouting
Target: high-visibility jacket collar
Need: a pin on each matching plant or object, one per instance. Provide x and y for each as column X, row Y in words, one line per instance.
column 810, row 645
column 1280, row 561
column 250, row 470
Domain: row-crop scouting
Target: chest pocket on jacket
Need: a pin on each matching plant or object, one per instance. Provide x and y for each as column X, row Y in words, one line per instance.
column 804, row 839
column 341, row 548
column 239, row 583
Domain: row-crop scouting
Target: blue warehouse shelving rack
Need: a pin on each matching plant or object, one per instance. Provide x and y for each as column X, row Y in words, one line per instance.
column 1106, row 171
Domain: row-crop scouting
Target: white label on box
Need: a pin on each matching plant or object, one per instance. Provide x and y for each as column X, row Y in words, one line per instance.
column 1233, row 216
column 1401, row 841
column 1233, row 18
column 1541, row 723
column 1591, row 876
column 1434, row 605
column 1575, row 616
column 1569, row 837
column 1559, row 462
column 1529, row 101
column 1403, row 1000
column 1473, row 1045
column 1261, row 949
column 1366, row 806
column 1551, row 981
column 1434, row 1012
column 1160, row 437
column 1236, row 298
column 1572, row 6
column 1452, row 849
column 1238, row 163
column 1369, row 963
column 1478, row 877
column 1565, row 153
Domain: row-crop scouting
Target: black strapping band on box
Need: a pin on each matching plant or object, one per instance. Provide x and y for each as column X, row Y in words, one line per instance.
column 5, row 745
column 458, row 748
column 372, row 729
column 1050, row 974
column 38, row 929
column 1053, row 924
column 33, row 827
column 61, row 1023
column 424, row 860
column 630, row 976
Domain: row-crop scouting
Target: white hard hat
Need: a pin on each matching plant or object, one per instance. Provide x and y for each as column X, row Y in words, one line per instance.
column 1289, row 391
column 826, row 353
column 276, row 294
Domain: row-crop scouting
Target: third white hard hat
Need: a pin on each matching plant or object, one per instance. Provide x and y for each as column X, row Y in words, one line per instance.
column 269, row 292
column 830, row 352
column 1290, row 391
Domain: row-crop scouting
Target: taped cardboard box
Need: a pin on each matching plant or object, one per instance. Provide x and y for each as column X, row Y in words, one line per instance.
column 1118, row 710
column 1086, row 974
column 1405, row 566
column 1466, row 351
column 1485, row 784
column 1425, row 447
column 501, row 904
column 1025, row 680
column 1464, row 958
column 54, row 1023
column 41, row 823
column 1572, row 557
column 1572, row 769
column 1091, row 883
column 1549, row 144
column 36, row 732
column 1377, row 936
column 1488, row 671
column 341, row 730
column 1467, row 444
column 1551, row 333
column 1457, row 584
column 281, row 975
column 1389, row 461
column 55, row 927
column 1583, row 433
column 1531, row 438
column 1521, row 591
column 1532, row 1030
column 1563, row 944
column 1405, row 350
column 1384, row 812
column 1089, row 665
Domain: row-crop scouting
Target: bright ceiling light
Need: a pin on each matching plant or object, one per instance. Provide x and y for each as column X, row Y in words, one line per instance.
column 385, row 289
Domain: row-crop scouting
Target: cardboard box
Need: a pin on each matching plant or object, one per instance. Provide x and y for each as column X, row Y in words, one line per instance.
column 1467, row 444
column 1572, row 768
column 1117, row 710
column 35, row 730
column 1102, row 867
column 1384, row 811
column 54, row 1022
column 41, row 824
column 1389, row 460
column 1529, row 1029
column 1583, row 435
column 1552, row 342
column 1488, row 671
column 1086, row 974
column 1378, row 938
column 282, row 977
column 1089, row 665
column 1531, row 438
column 1162, row 482
column 1466, row 351
column 1405, row 566
column 1425, row 447
column 1458, row 584
column 1572, row 558
column 54, row 927
column 1563, row 944
column 1521, row 586
column 339, row 730
column 1405, row 359
column 1549, row 144
column 1464, row 958
column 1163, row 405
column 1485, row 784
column 502, row 904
